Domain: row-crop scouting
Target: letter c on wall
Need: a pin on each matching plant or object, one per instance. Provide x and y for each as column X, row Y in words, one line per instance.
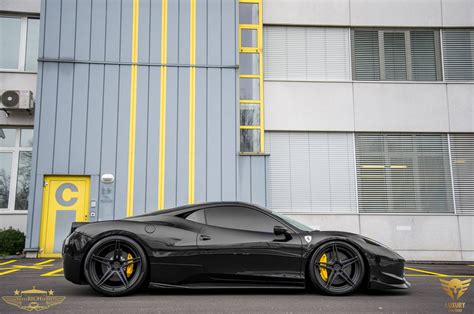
column 60, row 191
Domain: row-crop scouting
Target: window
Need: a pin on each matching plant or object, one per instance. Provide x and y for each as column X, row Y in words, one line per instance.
column 462, row 158
column 306, row 53
column 240, row 218
column 396, row 55
column 458, row 49
column 197, row 216
column 19, row 39
column 251, row 78
column 15, row 168
column 403, row 173
column 311, row 172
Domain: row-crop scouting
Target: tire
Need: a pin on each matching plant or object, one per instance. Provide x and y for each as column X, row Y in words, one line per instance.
column 116, row 266
column 336, row 268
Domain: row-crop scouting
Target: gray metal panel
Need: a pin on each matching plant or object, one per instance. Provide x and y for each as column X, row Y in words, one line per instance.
column 109, row 120
column 79, row 119
column 68, row 29
column 126, row 31
column 171, row 137
column 144, row 31
column 83, row 29
column 214, row 157
column 258, row 184
column 200, row 188
column 244, row 179
column 63, row 119
column 121, row 168
column 214, row 35
column 182, row 168
column 36, row 207
column 112, row 36
column 94, row 197
column 94, row 119
column 184, row 32
column 228, row 24
column 52, row 25
column 48, row 113
column 141, row 133
column 41, row 33
column 155, row 31
column 201, row 31
column 98, row 30
column 229, row 135
column 153, row 139
column 173, row 31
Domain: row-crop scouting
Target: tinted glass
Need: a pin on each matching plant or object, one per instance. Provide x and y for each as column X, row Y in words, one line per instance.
column 240, row 218
column 248, row 13
column 26, row 138
column 197, row 216
column 249, row 141
column 7, row 137
column 23, row 181
column 9, row 42
column 32, row 42
column 5, row 172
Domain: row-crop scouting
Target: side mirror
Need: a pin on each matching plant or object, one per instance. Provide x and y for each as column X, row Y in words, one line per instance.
column 278, row 230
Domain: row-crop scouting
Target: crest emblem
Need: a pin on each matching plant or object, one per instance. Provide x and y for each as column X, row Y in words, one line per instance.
column 308, row 238
column 33, row 299
column 455, row 288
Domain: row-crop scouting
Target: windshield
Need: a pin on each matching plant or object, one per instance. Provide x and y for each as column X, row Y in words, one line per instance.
column 293, row 222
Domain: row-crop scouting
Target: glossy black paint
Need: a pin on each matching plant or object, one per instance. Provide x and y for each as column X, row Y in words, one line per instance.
column 185, row 253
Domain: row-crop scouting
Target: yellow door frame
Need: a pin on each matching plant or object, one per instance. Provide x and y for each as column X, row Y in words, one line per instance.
column 48, row 221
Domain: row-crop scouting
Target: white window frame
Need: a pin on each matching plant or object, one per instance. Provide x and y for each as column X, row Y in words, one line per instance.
column 23, row 42
column 15, row 150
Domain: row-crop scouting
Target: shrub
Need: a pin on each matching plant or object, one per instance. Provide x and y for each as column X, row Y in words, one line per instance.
column 11, row 241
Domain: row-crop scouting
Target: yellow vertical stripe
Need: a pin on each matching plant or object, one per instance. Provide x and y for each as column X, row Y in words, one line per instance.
column 133, row 105
column 192, row 100
column 161, row 166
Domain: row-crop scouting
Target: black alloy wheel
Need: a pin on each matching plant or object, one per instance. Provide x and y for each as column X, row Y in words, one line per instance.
column 116, row 266
column 337, row 268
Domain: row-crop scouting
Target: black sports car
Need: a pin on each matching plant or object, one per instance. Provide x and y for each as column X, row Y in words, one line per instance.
column 224, row 245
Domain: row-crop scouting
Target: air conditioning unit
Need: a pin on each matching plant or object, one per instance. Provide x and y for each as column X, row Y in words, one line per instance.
column 11, row 100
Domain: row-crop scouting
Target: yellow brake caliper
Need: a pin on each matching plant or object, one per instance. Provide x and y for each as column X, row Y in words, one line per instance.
column 322, row 270
column 129, row 267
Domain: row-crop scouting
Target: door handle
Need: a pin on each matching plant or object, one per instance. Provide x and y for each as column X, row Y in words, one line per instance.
column 204, row 237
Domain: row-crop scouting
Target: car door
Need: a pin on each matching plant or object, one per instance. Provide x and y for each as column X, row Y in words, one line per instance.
column 237, row 245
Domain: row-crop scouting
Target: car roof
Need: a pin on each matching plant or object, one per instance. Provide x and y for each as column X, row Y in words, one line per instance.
column 185, row 208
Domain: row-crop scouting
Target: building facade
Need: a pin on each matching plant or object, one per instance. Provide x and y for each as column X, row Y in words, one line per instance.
column 352, row 115
column 19, row 38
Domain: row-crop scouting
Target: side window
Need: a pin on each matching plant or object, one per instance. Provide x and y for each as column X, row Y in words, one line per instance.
column 197, row 216
column 240, row 218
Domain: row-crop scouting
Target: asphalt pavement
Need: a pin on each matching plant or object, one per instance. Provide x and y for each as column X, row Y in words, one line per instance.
column 56, row 295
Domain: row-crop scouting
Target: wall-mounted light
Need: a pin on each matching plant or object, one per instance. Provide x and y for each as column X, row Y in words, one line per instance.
column 107, row 178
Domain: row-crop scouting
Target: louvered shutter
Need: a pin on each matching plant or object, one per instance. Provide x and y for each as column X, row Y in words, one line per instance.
column 403, row 173
column 395, row 56
column 462, row 156
column 425, row 62
column 458, row 50
column 274, row 46
column 306, row 53
column 366, row 55
column 311, row 172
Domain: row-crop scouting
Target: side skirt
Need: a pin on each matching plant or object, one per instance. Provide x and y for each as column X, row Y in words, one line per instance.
column 221, row 286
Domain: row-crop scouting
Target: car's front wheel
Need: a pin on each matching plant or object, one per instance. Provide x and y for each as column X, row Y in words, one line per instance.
column 115, row 266
column 336, row 268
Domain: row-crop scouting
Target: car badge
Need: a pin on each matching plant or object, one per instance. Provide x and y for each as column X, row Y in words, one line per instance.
column 307, row 238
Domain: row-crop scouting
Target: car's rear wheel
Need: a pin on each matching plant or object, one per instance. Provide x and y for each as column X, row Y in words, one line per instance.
column 337, row 268
column 116, row 266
